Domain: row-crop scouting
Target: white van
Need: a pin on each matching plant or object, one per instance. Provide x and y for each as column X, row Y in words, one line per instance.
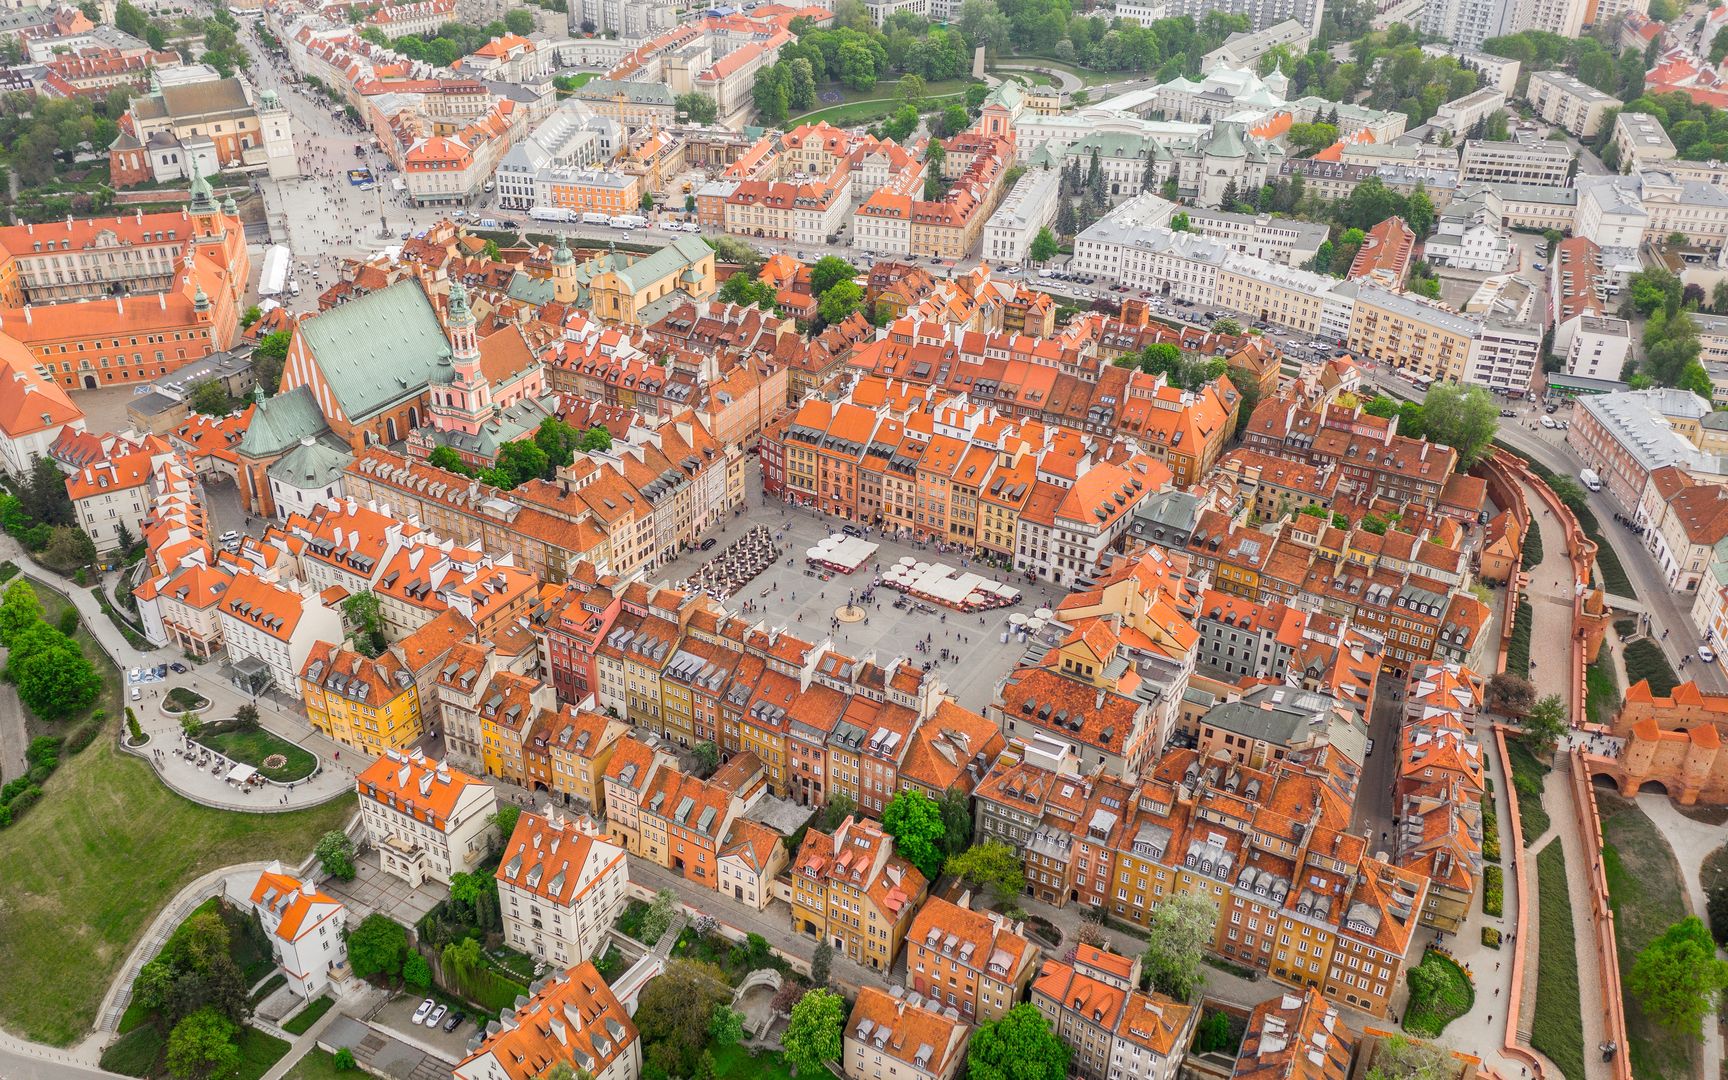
column 1591, row 480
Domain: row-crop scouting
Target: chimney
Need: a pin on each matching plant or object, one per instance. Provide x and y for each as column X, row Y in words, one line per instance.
column 119, row 305
column 27, row 319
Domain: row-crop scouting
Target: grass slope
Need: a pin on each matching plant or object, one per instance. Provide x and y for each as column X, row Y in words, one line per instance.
column 1645, row 891
column 1527, row 777
column 88, row 868
column 1558, row 1028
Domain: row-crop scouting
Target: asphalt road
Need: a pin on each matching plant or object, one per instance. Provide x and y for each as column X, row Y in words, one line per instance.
column 1669, row 610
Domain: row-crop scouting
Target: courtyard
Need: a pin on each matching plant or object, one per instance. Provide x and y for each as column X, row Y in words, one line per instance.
column 786, row 596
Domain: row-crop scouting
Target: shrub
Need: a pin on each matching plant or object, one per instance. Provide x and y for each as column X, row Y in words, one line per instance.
column 1645, row 660
column 1494, row 891
column 1490, row 832
column 8, row 570
column 135, row 732
column 1518, row 648
column 1532, row 553
column 69, row 621
column 343, row 1059
column 84, row 734
column 1490, row 937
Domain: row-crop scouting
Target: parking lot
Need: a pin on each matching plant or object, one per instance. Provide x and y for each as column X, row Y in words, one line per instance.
column 397, row 1018
column 785, row 596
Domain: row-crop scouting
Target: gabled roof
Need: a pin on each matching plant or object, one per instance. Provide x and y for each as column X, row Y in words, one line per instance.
column 378, row 349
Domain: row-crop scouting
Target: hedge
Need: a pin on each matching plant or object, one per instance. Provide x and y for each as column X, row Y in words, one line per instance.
column 1532, row 553
column 1518, row 649
column 1490, row 937
column 1494, row 891
column 1645, row 660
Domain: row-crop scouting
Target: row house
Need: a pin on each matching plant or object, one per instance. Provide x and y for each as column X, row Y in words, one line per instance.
column 1113, row 1029
column 898, row 1037
column 850, row 890
column 1299, row 896
column 571, row 1019
column 1438, row 790
column 978, row 962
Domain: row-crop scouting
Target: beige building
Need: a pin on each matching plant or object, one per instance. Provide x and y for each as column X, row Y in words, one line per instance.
column 1284, row 295
column 1561, row 99
column 560, row 886
column 897, row 1038
column 1416, row 338
column 1512, row 162
column 426, row 820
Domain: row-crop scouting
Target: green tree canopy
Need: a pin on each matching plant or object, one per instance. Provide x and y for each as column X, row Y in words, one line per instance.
column 1462, row 417
column 915, row 823
column 829, row 271
column 18, row 609
column 377, row 947
column 812, row 1037
column 1019, row 1046
column 335, row 852
column 1679, row 979
column 1178, row 934
column 203, row 1044
column 1044, row 245
column 993, row 864
column 675, row 1013
column 1546, row 724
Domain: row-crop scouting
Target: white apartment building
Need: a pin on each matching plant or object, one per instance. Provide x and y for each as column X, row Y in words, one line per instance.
column 1513, row 162
column 306, row 928
column 1595, row 346
column 881, row 10
column 628, row 19
column 1261, row 13
column 1505, row 355
column 1620, row 212
column 1467, row 236
column 1465, row 24
column 1561, row 99
column 1244, row 49
column 426, row 820
column 269, row 629
column 1279, row 240
column 560, row 886
column 33, row 410
column 1641, row 143
column 1179, row 265
column 1029, row 207
column 1496, row 71
column 1461, row 114
column 114, row 496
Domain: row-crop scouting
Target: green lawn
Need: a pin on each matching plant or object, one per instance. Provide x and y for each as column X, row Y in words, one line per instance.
column 136, row 1053
column 1645, row 660
column 1085, row 75
column 737, row 1063
column 1527, row 777
column 87, row 869
column 255, row 746
column 301, row 1022
column 258, row 1052
column 1645, row 892
column 855, row 113
column 318, row 1065
column 1602, row 690
column 181, row 699
column 1558, row 1028
column 1428, row 1013
column 886, row 88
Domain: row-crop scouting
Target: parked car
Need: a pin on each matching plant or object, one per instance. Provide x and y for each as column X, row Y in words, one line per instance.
column 1706, row 654
column 420, row 1013
column 1549, row 422
column 437, row 1017
column 1507, row 412
column 137, row 694
column 708, row 543
column 1551, row 408
column 178, row 668
column 454, row 1020
column 161, row 671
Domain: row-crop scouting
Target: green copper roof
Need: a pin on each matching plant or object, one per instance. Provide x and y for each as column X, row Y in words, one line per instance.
column 529, row 289
column 378, row 349
column 311, row 465
column 681, row 252
column 280, row 422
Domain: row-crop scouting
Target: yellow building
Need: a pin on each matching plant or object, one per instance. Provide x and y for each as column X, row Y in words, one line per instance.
column 620, row 286
column 850, row 890
column 370, row 704
column 579, row 744
column 1414, row 337
column 508, row 710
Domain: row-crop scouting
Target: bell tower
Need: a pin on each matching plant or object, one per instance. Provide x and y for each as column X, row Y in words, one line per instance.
column 564, row 288
column 463, row 403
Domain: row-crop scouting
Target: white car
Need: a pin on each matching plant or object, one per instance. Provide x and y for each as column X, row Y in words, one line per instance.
column 420, row 1013
column 1706, row 654
column 1549, row 422
column 437, row 1015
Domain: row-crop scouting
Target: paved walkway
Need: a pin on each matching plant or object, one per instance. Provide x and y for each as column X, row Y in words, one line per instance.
column 1550, row 598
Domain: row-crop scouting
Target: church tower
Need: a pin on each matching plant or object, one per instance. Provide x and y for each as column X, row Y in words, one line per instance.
column 564, row 288
column 464, row 403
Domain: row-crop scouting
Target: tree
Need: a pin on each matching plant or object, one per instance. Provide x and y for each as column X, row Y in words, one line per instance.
column 522, row 461
column 1044, row 245
column 336, row 855
column 1545, row 724
column 857, row 65
column 342, row 1059
column 915, row 823
column 519, row 22
column 910, row 89
column 745, row 290
column 1177, row 936
column 203, row 1044
column 1179, row 221
column 841, row 300
column 416, row 972
column 707, row 757
column 209, row 398
column 1019, row 1046
column 365, row 615
column 801, row 84
column 1678, row 977
column 812, row 1038
column 1464, row 418
column 1227, row 326
column 1213, row 1033
column 956, row 808
column 1399, row 1058
column 675, row 1014
column 954, row 119
column 377, row 947
column 506, row 819
column 646, row 202
column 1717, row 908
column 52, row 676
column 659, row 917
column 45, row 497
column 822, row 959
column 268, row 358
column 727, row 1026
column 829, row 271
column 993, row 864
column 1509, row 694
column 594, row 439
column 18, row 609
